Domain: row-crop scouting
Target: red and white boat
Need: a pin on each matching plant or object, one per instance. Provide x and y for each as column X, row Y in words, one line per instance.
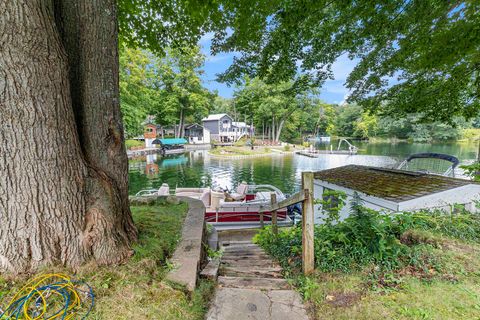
column 232, row 209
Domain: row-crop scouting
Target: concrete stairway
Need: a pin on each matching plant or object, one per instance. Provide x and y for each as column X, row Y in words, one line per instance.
column 251, row 286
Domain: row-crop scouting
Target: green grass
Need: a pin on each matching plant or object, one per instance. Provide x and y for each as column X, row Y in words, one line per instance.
column 453, row 294
column 370, row 266
column 238, row 151
column 134, row 143
column 137, row 290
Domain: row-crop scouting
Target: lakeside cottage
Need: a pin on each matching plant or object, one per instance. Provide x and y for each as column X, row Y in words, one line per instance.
column 216, row 127
column 390, row 190
column 223, row 129
column 197, row 134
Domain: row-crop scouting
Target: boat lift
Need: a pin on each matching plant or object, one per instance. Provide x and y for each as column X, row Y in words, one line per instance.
column 430, row 163
column 351, row 148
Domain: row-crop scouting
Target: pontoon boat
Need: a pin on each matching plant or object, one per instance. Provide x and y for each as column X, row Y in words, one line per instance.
column 235, row 209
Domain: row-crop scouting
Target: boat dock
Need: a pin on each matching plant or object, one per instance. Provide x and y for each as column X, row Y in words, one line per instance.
column 318, row 153
column 313, row 153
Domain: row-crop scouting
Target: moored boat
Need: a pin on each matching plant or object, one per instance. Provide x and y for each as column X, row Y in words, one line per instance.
column 240, row 208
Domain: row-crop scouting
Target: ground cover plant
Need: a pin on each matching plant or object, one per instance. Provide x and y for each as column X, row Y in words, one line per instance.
column 371, row 265
column 137, row 290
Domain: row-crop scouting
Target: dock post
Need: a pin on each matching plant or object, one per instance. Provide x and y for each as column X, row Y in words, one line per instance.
column 273, row 200
column 261, row 220
column 308, row 256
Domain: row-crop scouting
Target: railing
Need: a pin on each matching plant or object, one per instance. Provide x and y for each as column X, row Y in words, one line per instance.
column 305, row 196
column 351, row 147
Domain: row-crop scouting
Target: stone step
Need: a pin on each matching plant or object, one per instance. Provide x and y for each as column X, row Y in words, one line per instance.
column 242, row 248
column 236, row 243
column 249, row 262
column 245, row 256
column 253, row 283
column 211, row 270
column 244, row 252
column 251, row 271
column 248, row 304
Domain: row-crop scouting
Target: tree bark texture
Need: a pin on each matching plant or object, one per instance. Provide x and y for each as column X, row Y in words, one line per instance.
column 63, row 192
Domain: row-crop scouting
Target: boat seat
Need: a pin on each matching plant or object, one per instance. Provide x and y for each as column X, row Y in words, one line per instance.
column 164, row 190
column 240, row 193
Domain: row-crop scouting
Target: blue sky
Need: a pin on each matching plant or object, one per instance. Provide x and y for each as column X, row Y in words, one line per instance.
column 333, row 91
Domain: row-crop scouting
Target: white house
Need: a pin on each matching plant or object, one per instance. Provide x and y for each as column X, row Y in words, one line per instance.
column 391, row 190
column 197, row 134
column 222, row 128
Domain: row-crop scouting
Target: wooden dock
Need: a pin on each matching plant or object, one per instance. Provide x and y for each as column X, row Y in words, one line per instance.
column 318, row 153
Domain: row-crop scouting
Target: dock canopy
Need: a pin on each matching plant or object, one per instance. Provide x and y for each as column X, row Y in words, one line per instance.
column 170, row 142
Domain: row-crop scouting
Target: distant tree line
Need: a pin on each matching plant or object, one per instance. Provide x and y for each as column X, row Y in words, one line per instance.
column 352, row 121
column 170, row 88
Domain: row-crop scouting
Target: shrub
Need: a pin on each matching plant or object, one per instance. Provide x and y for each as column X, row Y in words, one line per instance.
column 472, row 170
column 286, row 148
column 367, row 237
column 134, row 143
column 471, row 134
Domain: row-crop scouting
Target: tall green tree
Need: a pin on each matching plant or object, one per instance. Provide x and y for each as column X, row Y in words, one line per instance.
column 64, row 200
column 182, row 93
column 271, row 106
column 419, row 55
column 138, row 88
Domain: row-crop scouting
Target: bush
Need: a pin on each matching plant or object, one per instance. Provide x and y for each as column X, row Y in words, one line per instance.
column 472, row 170
column 368, row 237
column 471, row 134
column 134, row 143
column 286, row 148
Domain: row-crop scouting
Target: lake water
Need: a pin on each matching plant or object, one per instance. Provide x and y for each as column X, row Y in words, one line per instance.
column 199, row 169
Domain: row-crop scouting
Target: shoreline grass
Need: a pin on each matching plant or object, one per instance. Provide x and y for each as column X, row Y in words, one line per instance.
column 239, row 151
column 136, row 289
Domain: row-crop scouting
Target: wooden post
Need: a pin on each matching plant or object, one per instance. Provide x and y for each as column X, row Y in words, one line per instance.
column 261, row 220
column 308, row 257
column 273, row 200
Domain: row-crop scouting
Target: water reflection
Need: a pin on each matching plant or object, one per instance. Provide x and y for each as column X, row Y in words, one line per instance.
column 402, row 149
column 199, row 169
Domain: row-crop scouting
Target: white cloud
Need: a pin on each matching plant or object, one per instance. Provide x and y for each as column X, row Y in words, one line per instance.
column 206, row 38
column 218, row 57
column 345, row 97
column 342, row 67
column 334, row 86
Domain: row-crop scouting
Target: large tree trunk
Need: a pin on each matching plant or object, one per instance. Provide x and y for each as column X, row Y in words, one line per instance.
column 279, row 130
column 273, row 128
column 64, row 196
column 282, row 123
column 180, row 124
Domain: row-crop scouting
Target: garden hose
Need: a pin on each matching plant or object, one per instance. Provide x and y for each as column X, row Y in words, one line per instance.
column 50, row 296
